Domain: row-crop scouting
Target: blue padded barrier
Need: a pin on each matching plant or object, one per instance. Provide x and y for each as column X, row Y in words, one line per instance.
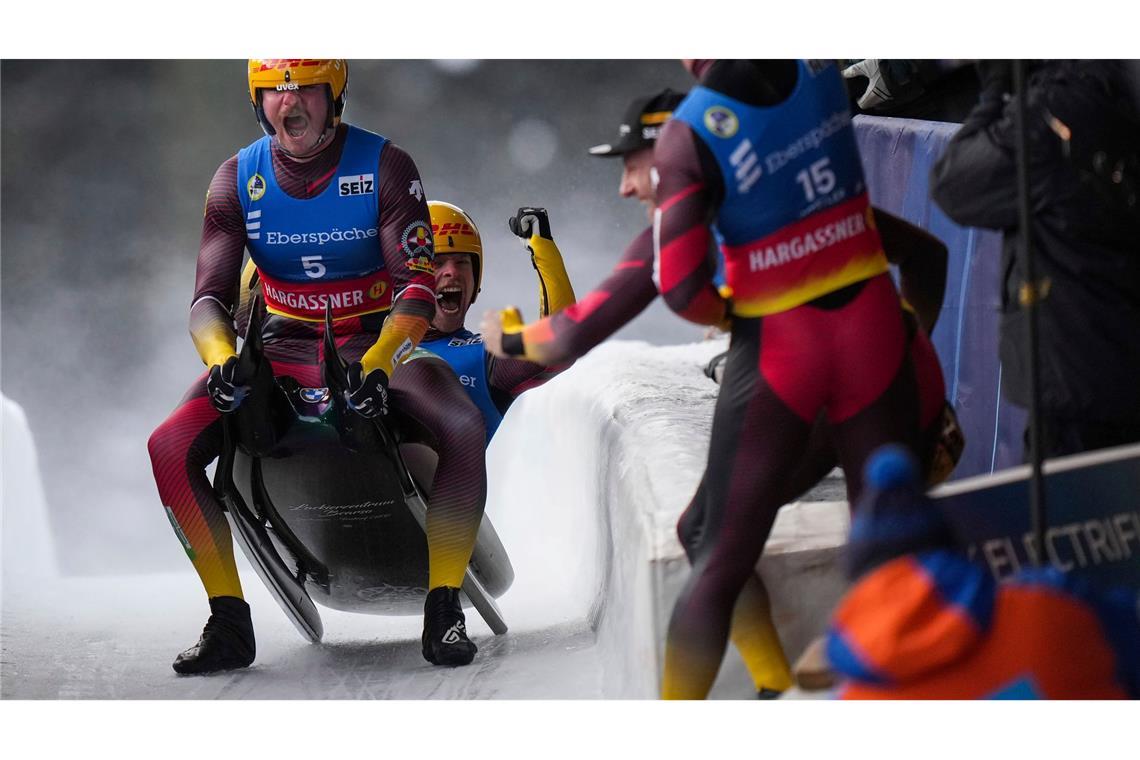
column 897, row 157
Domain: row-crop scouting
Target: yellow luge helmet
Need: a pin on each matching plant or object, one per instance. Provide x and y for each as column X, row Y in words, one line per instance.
column 288, row 73
column 454, row 231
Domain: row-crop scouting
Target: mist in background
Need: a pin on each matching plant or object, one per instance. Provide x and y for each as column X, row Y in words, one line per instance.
column 105, row 167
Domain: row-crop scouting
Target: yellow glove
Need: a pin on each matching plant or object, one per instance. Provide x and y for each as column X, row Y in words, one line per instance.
column 511, row 320
column 497, row 324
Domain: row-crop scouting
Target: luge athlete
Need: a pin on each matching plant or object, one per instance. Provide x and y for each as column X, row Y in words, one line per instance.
column 329, row 213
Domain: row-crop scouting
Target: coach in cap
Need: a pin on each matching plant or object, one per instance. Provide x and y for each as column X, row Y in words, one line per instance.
column 636, row 134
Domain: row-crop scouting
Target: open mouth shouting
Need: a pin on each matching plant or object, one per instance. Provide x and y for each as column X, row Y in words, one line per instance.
column 449, row 299
column 296, row 125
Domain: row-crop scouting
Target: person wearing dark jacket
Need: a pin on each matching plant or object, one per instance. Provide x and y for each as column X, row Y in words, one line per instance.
column 1083, row 139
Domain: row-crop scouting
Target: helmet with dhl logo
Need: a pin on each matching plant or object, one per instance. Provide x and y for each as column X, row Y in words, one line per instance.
column 454, row 231
column 282, row 73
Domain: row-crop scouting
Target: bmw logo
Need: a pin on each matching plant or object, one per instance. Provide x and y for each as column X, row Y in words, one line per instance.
column 314, row 395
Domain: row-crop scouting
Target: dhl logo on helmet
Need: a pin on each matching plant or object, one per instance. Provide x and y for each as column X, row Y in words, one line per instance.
column 452, row 228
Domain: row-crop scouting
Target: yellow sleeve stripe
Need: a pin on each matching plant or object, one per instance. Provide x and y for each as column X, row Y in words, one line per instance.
column 555, row 292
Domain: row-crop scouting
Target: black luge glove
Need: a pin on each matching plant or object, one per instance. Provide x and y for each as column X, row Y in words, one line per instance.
column 223, row 388
column 367, row 396
column 530, row 221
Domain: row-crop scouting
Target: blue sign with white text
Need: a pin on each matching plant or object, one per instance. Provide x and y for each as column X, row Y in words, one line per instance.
column 1093, row 517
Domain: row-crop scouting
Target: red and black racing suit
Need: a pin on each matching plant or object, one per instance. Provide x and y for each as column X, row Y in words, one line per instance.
column 427, row 401
column 629, row 290
column 842, row 353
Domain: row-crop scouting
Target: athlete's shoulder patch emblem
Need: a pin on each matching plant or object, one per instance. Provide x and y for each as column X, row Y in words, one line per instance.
column 255, row 187
column 721, row 121
column 417, row 244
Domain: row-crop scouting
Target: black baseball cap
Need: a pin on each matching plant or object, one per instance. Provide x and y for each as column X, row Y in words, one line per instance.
column 642, row 123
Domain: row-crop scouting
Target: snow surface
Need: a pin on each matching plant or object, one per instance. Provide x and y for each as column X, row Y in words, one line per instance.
column 587, row 476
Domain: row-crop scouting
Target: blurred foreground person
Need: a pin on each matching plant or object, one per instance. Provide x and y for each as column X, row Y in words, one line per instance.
column 329, row 213
column 1083, row 138
column 923, row 622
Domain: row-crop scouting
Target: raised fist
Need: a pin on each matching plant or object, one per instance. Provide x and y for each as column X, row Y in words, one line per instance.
column 530, row 221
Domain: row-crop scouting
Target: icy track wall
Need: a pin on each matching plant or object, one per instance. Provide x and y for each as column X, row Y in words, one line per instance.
column 588, row 475
column 27, row 546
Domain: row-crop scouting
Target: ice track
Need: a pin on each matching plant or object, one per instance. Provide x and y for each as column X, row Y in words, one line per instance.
column 586, row 478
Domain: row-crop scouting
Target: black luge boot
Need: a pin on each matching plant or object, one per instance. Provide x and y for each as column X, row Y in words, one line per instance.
column 226, row 642
column 445, row 639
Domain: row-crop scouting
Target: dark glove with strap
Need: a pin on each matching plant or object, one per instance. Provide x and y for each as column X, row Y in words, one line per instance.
column 530, row 221
column 368, row 396
column 223, row 388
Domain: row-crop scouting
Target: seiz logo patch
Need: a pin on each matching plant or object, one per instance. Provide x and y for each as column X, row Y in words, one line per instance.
column 651, row 124
column 357, row 184
column 255, row 187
